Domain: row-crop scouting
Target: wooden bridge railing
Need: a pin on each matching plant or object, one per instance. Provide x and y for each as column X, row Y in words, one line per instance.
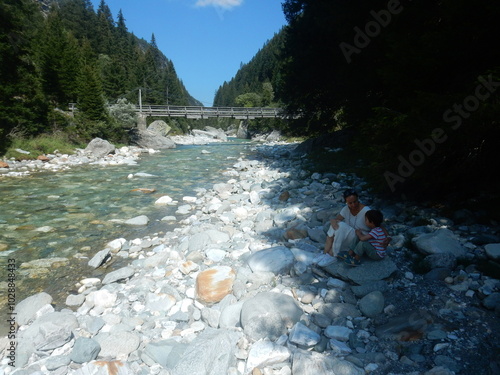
column 196, row 112
column 207, row 112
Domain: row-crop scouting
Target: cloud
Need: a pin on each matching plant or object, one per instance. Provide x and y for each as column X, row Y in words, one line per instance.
column 225, row 4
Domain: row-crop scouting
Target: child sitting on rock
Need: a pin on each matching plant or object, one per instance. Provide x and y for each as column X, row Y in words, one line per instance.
column 372, row 244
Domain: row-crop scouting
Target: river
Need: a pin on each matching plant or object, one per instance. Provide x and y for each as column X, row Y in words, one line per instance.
column 73, row 214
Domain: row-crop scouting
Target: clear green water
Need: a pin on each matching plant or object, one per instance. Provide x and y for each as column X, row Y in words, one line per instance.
column 80, row 204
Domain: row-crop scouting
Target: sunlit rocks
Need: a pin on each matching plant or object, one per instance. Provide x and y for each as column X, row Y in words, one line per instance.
column 213, row 284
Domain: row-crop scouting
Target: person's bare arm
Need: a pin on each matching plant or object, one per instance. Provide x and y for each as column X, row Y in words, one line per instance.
column 361, row 236
column 335, row 222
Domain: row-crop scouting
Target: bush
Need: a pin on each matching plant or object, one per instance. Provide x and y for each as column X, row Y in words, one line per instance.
column 40, row 145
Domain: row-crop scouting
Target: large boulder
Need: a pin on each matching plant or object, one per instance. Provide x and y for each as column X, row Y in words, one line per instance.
column 439, row 242
column 269, row 315
column 160, row 127
column 27, row 309
column 278, row 260
column 99, row 148
column 216, row 133
column 242, row 131
column 150, row 139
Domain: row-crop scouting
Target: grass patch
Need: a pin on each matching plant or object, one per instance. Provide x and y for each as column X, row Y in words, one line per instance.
column 41, row 145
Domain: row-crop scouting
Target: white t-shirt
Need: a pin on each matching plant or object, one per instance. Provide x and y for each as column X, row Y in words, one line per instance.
column 355, row 221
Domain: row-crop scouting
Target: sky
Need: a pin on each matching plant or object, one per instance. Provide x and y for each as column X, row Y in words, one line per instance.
column 206, row 40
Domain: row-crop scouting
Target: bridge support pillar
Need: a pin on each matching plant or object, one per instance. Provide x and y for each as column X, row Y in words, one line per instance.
column 141, row 121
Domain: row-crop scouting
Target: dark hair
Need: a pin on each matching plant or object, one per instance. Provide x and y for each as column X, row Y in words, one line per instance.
column 349, row 192
column 375, row 216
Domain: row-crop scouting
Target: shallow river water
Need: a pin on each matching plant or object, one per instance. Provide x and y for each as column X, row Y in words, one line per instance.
column 73, row 214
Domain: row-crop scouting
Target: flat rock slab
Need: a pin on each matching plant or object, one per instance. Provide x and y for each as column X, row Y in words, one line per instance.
column 368, row 271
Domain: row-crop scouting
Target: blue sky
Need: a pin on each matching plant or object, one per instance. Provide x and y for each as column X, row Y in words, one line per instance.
column 205, row 39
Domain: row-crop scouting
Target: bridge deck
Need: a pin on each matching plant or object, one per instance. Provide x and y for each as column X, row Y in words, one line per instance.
column 208, row 112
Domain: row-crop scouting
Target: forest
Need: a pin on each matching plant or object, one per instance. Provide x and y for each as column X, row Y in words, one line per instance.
column 413, row 84
column 58, row 52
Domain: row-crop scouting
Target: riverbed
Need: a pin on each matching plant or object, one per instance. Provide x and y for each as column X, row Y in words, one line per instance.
column 68, row 216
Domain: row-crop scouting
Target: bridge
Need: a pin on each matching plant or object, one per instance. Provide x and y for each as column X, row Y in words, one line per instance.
column 194, row 112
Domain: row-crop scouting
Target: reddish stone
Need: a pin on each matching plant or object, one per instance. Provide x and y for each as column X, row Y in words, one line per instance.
column 43, row 158
column 214, row 284
column 295, row 234
column 284, row 196
column 145, row 190
column 3, row 164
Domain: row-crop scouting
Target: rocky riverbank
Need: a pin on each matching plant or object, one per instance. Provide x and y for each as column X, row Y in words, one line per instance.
column 238, row 288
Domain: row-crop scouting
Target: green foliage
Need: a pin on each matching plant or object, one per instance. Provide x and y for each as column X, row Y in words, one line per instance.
column 75, row 55
column 124, row 113
column 249, row 99
column 41, row 145
column 259, row 76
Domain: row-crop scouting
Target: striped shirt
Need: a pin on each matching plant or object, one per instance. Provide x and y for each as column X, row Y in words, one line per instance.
column 377, row 238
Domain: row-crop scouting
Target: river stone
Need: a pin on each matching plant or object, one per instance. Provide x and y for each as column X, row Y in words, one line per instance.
column 26, row 309
column 440, row 241
column 98, row 259
column 164, row 200
column 117, row 344
column 75, row 299
column 150, row 139
column 278, row 260
column 166, row 352
column 303, row 336
column 54, row 362
column 368, row 272
column 269, row 315
column 492, row 301
column 198, row 242
column 119, row 274
column 441, row 260
column 311, row 363
column 372, row 304
column 85, row 350
column 50, row 331
column 265, row 353
column 213, row 284
column 230, row 315
column 285, row 216
column 405, row 326
column 160, row 127
column 493, row 251
column 138, row 220
column 340, row 333
column 212, row 352
column 364, row 289
column 99, row 148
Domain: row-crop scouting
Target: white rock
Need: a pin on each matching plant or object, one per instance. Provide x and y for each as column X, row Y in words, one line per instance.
column 116, row 244
column 138, row 220
column 163, row 200
column 265, row 353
